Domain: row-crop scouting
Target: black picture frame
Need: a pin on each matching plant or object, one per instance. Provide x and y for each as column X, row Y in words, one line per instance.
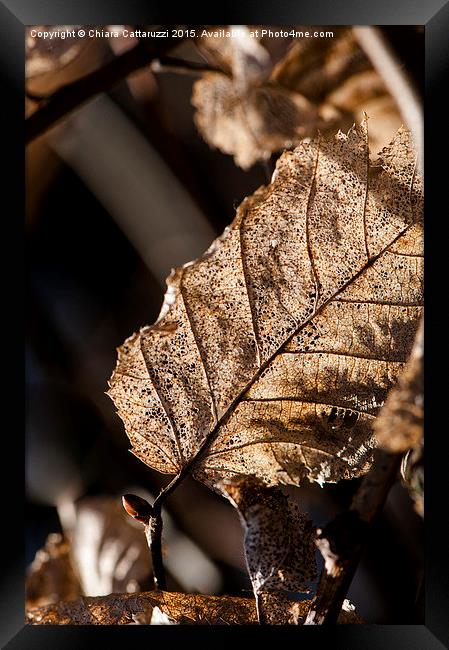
column 434, row 15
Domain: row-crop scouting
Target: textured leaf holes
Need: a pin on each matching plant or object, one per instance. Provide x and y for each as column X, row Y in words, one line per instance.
column 275, row 350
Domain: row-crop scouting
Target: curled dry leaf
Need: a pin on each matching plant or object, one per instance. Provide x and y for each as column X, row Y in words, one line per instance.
column 186, row 609
column 241, row 56
column 400, row 425
column 252, row 124
column 334, row 73
column 279, row 539
column 315, row 67
column 316, row 84
column 122, row 609
column 241, row 112
column 274, row 352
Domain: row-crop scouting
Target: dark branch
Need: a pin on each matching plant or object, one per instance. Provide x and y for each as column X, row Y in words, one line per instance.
column 341, row 542
column 143, row 512
column 181, row 66
column 74, row 94
column 171, row 487
column 153, row 532
column 151, row 517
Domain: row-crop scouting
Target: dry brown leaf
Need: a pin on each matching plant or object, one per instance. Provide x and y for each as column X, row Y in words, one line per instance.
column 318, row 84
column 241, row 112
column 399, row 426
column 279, row 538
column 251, row 124
column 274, row 352
column 51, row 576
column 152, row 616
column 122, row 609
column 335, row 72
column 365, row 92
column 101, row 551
column 315, row 67
column 241, row 56
column 187, row 609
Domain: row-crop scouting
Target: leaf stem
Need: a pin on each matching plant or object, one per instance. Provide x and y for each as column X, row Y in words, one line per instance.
column 171, row 487
column 341, row 542
column 261, row 617
column 151, row 518
column 153, row 529
column 153, row 533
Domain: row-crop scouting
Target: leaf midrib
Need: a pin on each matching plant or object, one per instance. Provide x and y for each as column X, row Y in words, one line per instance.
column 189, row 467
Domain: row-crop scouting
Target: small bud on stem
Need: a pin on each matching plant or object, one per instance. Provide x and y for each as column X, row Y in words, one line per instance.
column 140, row 510
column 137, row 508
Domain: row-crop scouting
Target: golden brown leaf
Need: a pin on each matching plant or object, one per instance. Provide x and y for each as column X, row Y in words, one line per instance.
column 253, row 123
column 121, row 609
column 186, row 609
column 365, row 92
column 335, row 72
column 399, row 426
column 241, row 56
column 274, row 352
column 279, row 539
column 242, row 112
column 315, row 67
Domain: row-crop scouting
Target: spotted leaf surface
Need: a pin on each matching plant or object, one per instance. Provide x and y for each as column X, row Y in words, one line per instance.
column 400, row 424
column 275, row 350
column 279, row 539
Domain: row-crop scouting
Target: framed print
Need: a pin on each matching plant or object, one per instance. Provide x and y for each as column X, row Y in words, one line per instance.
column 226, row 391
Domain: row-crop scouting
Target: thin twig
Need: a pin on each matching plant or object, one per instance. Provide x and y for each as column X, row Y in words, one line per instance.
column 395, row 78
column 35, row 98
column 69, row 97
column 143, row 512
column 153, row 532
column 151, row 517
column 168, row 489
column 341, row 542
column 181, row 66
